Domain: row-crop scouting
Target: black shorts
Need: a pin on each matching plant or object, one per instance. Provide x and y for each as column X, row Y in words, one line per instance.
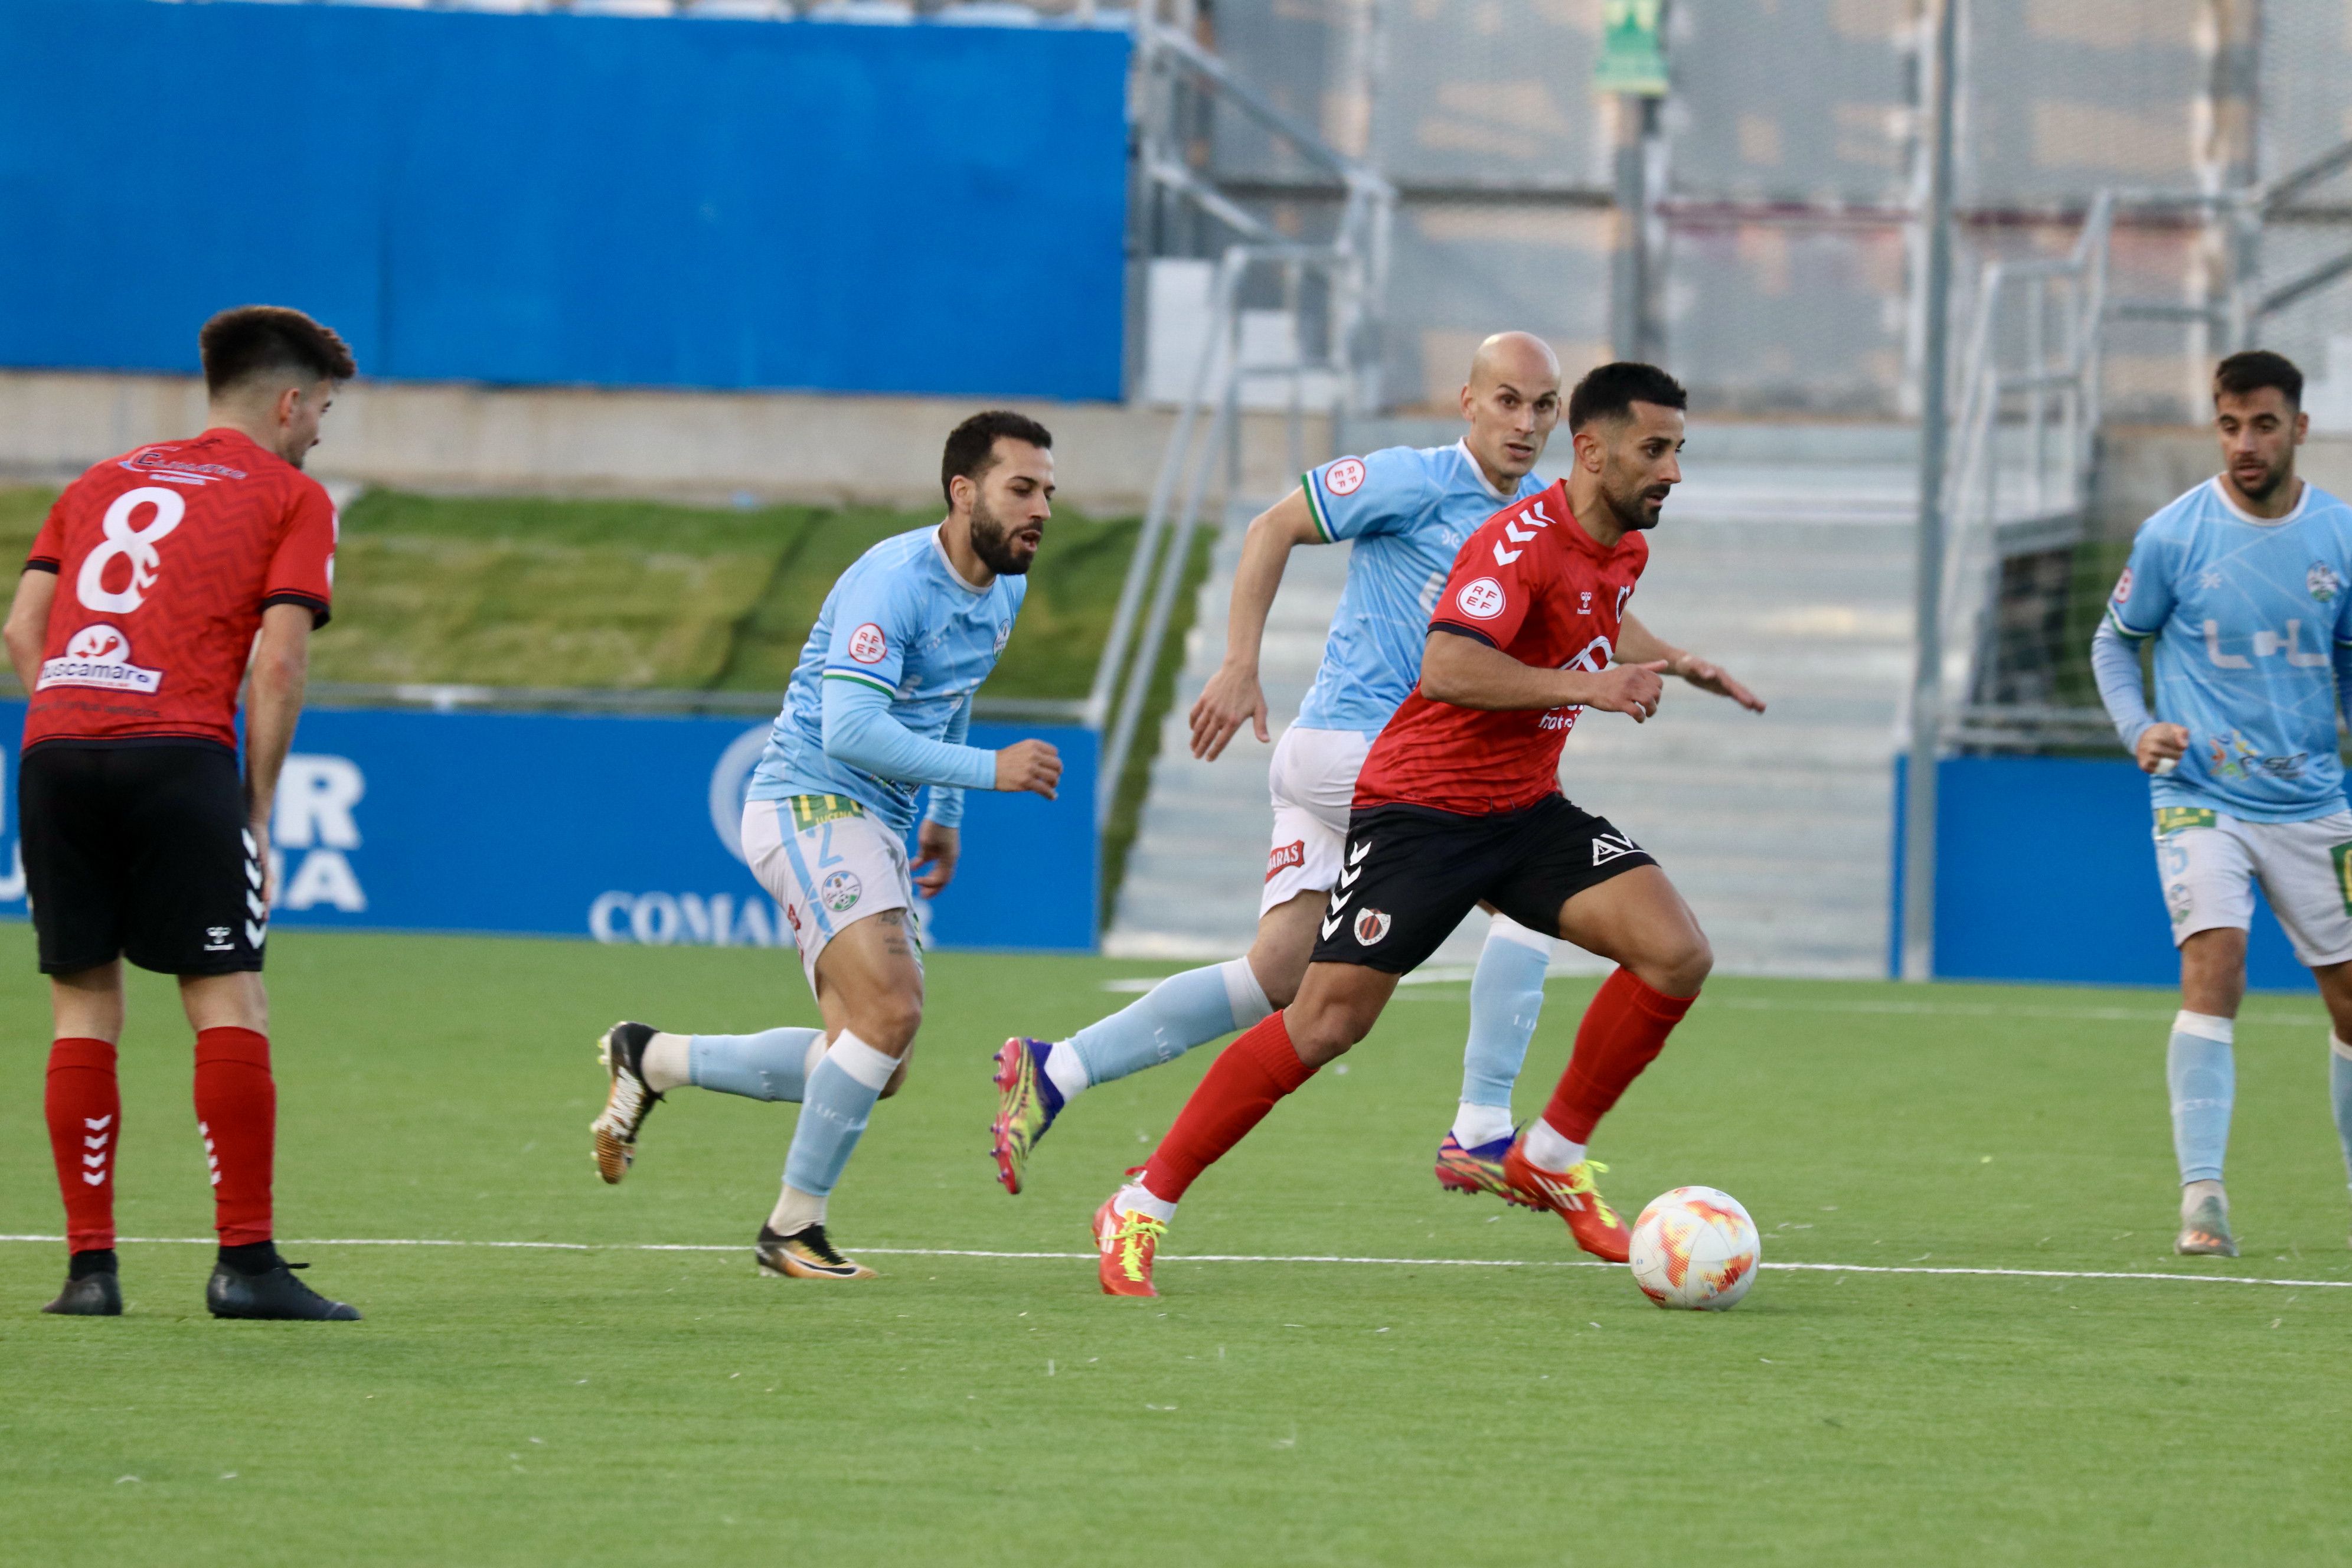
column 141, row 852
column 1411, row 874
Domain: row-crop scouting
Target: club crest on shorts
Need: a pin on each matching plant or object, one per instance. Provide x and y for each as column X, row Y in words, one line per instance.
column 1371, row 925
column 842, row 890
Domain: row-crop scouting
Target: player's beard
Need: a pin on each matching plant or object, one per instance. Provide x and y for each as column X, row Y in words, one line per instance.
column 1631, row 507
column 2263, row 488
column 991, row 541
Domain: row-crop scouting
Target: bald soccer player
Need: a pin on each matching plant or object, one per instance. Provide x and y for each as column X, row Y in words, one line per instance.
column 1408, row 510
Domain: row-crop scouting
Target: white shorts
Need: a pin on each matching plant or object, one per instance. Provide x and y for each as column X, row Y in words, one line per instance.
column 2209, row 862
column 830, row 863
column 1313, row 781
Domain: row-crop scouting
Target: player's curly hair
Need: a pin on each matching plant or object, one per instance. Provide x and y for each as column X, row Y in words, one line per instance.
column 2255, row 369
column 972, row 445
column 260, row 340
column 1610, row 392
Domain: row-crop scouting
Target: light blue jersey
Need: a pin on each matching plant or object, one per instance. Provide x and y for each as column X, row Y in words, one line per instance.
column 1408, row 509
column 900, row 622
column 2251, row 620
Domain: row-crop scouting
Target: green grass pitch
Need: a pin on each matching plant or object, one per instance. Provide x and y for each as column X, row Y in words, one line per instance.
column 631, row 1407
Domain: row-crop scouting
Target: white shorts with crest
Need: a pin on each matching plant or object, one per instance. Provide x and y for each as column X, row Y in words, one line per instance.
column 2209, row 861
column 830, row 863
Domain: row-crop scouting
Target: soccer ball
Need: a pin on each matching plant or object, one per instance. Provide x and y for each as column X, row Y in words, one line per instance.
column 1695, row 1248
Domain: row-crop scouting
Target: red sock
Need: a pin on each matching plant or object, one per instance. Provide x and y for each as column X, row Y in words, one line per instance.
column 1623, row 1030
column 1242, row 1086
column 237, row 1112
column 85, row 1113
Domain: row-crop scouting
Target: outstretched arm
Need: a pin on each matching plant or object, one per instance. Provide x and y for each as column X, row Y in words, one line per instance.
column 1469, row 673
column 1637, row 644
column 859, row 731
column 1234, row 694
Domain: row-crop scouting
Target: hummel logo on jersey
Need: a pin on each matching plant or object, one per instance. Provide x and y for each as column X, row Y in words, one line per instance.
column 1584, row 603
column 1607, row 847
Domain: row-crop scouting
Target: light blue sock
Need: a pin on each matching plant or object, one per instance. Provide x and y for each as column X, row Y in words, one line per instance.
column 1505, row 999
column 1181, row 1012
column 2339, row 1091
column 2204, row 1081
column 840, row 1097
column 771, row 1064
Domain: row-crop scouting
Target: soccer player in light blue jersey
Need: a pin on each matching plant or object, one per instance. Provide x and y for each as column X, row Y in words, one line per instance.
column 877, row 709
column 2245, row 583
column 1408, row 511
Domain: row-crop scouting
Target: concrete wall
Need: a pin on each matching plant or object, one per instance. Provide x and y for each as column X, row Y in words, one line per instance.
column 690, row 446
column 2146, row 466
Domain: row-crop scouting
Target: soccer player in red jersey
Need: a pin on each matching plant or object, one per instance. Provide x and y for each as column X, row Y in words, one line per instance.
column 159, row 580
column 1459, row 803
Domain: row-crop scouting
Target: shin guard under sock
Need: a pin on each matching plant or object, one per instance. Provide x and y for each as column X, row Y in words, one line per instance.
column 237, row 1113
column 84, row 1107
column 1241, row 1086
column 1623, row 1030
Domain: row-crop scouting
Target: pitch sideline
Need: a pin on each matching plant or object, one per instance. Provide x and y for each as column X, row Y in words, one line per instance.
column 1238, row 1258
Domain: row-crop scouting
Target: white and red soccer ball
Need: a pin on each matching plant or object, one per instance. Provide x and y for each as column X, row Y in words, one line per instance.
column 1695, row 1248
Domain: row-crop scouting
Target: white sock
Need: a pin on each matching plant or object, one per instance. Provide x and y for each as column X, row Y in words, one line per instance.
column 1243, row 991
column 664, row 1065
column 1136, row 1198
column 815, row 1053
column 1065, row 1071
column 796, row 1210
column 862, row 1061
column 1476, row 1125
column 1547, row 1151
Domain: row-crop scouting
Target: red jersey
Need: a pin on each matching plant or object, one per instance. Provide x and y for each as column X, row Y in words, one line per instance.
column 1532, row 583
column 165, row 558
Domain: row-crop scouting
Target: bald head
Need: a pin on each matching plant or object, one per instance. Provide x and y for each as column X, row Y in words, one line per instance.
column 1512, row 402
column 1519, row 357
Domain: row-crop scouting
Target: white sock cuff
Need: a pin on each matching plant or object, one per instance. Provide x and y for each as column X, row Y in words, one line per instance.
column 1243, row 991
column 1548, row 1149
column 815, row 1053
column 2337, row 1047
column 861, row 1061
column 1137, row 1198
column 1502, row 928
column 2204, row 1025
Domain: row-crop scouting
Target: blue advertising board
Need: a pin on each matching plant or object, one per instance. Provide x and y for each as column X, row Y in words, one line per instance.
column 2045, row 870
column 644, row 202
column 619, row 829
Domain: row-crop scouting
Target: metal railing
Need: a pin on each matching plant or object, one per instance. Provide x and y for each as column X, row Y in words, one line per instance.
column 1330, row 293
column 2026, row 445
column 2024, row 448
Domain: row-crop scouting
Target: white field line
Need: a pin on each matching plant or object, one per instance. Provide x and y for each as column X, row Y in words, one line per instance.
column 1232, row 1257
column 1455, row 974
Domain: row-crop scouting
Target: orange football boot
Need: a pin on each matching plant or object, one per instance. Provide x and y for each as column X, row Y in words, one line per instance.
column 1570, row 1195
column 1127, row 1241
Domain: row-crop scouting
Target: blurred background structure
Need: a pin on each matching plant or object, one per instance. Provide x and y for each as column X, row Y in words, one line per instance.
column 757, row 252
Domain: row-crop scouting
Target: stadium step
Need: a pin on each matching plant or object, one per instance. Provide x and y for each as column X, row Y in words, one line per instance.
column 1795, row 576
